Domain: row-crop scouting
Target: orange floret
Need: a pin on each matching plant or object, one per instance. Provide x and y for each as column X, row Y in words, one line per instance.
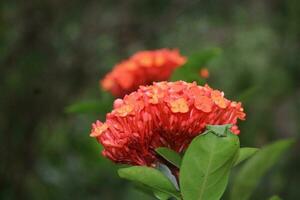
column 204, row 73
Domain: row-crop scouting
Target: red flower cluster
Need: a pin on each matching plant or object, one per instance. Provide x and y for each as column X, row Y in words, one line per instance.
column 165, row 114
column 142, row 68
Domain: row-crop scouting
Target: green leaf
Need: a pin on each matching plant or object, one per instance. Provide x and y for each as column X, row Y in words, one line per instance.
column 202, row 57
column 166, row 171
column 275, row 198
column 150, row 177
column 245, row 153
column 150, row 192
column 206, row 166
column 161, row 195
column 146, row 190
column 169, row 155
column 86, row 106
column 219, row 130
column 256, row 167
column 101, row 105
column 190, row 71
column 248, row 93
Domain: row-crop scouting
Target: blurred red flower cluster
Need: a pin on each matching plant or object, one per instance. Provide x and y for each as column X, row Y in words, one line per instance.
column 165, row 114
column 142, row 68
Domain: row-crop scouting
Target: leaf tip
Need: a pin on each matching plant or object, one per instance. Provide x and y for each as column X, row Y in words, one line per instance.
column 219, row 130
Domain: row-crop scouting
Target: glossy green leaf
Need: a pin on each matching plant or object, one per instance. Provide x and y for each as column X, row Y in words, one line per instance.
column 169, row 155
column 245, row 153
column 206, row 166
column 275, row 198
column 255, row 168
column 149, row 177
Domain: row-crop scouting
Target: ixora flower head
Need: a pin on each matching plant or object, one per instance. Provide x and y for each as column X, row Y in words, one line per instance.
column 142, row 68
column 165, row 114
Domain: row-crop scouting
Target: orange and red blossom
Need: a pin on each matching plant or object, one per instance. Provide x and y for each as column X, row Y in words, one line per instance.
column 165, row 114
column 142, row 68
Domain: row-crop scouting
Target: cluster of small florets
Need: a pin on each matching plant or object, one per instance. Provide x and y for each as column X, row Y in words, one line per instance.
column 142, row 68
column 165, row 114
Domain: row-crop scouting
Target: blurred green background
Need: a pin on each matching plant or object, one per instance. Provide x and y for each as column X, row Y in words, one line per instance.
column 53, row 52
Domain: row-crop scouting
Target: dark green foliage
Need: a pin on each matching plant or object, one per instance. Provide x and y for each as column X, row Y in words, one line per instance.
column 275, row 198
column 252, row 171
column 102, row 105
column 53, row 53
